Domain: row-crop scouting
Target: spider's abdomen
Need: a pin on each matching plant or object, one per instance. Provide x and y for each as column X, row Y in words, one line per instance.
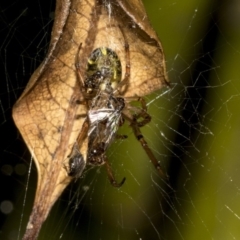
column 104, row 70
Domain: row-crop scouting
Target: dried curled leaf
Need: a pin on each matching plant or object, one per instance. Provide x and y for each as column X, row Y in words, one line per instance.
column 51, row 111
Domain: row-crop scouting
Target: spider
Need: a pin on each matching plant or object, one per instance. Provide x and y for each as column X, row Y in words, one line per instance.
column 107, row 111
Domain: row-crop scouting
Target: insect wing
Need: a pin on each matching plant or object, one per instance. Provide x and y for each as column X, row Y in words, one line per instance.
column 98, row 116
column 104, row 124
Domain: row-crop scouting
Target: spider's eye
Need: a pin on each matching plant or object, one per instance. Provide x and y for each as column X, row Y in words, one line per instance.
column 103, row 68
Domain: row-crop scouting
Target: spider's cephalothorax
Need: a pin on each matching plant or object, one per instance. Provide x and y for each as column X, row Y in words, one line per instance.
column 104, row 71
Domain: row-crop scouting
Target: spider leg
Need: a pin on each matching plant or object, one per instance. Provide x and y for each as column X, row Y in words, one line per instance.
column 140, row 138
column 128, row 65
column 139, row 112
column 146, row 118
column 77, row 65
column 111, row 176
column 136, row 124
column 83, row 133
column 124, row 83
column 121, row 136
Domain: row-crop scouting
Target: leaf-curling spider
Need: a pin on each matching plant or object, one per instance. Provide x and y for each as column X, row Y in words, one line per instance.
column 107, row 111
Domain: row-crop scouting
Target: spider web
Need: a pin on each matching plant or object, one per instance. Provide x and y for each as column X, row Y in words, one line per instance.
column 194, row 132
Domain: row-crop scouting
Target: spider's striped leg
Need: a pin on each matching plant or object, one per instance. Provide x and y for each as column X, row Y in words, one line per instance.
column 111, row 176
column 77, row 65
column 140, row 116
column 138, row 119
column 140, row 138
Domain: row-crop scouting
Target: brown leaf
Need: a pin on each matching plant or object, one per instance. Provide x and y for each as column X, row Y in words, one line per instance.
column 51, row 111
